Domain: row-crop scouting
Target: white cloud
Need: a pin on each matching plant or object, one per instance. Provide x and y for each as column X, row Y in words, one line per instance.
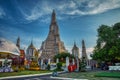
column 69, row 4
column 93, row 7
column 46, row 20
column 2, row 13
column 37, row 12
column 100, row 8
column 46, row 8
column 69, row 48
column 89, row 50
column 33, row 16
column 74, row 12
column 70, row 7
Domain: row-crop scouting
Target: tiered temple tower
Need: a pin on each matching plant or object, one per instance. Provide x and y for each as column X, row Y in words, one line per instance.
column 75, row 50
column 32, row 56
column 52, row 45
column 31, row 52
column 84, row 55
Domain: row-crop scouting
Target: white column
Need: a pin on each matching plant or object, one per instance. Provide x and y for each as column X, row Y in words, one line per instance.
column 67, row 63
column 2, row 60
column 48, row 61
column 57, row 60
column 87, row 61
column 73, row 61
column 77, row 64
column 41, row 64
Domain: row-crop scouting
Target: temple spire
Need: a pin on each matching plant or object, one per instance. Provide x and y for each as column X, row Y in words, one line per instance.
column 74, row 43
column 18, row 42
column 53, row 26
column 53, row 19
column 75, row 50
column 52, row 45
column 31, row 43
column 84, row 55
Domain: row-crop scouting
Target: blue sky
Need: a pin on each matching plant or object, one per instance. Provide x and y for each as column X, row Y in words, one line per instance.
column 77, row 20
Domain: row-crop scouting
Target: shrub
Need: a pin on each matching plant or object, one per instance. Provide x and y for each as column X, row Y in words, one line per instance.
column 48, row 67
column 59, row 65
column 82, row 66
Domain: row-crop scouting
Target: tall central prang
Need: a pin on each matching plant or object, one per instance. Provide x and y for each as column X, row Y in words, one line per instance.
column 52, row 45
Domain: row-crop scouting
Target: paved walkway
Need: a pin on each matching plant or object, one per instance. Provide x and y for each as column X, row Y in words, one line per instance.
column 66, row 78
column 43, row 76
column 31, row 75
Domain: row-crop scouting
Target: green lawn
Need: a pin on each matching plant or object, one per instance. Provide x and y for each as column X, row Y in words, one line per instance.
column 108, row 74
column 89, row 75
column 26, row 72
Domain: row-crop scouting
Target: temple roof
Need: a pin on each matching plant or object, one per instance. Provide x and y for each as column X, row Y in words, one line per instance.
column 9, row 47
column 31, row 45
column 75, row 47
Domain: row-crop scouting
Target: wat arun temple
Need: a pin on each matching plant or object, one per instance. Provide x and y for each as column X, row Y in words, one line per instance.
column 53, row 44
column 36, row 59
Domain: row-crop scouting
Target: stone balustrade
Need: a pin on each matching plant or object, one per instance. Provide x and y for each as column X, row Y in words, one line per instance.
column 114, row 68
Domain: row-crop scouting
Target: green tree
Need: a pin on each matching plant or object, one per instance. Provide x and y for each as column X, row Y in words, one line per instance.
column 83, row 64
column 116, row 29
column 48, row 67
column 107, row 48
column 63, row 55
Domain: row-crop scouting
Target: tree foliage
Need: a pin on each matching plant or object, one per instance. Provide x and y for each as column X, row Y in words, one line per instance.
column 63, row 55
column 59, row 65
column 83, row 64
column 108, row 43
